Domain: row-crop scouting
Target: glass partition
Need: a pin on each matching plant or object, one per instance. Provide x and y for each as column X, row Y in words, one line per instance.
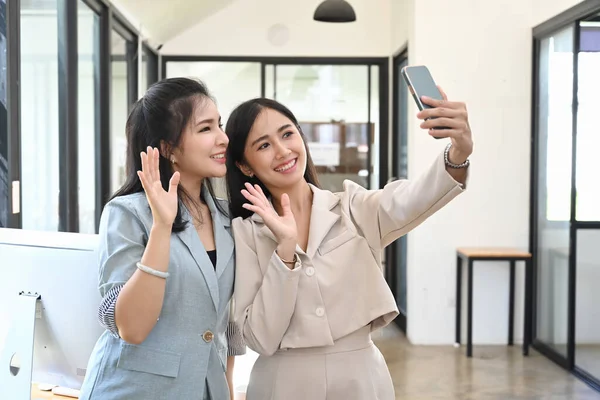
column 119, row 109
column 587, row 315
column 88, row 26
column 566, row 211
column 4, row 187
column 555, row 91
column 588, row 133
column 39, row 116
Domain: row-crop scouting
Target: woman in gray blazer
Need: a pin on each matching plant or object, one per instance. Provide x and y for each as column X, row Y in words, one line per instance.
column 166, row 264
column 311, row 289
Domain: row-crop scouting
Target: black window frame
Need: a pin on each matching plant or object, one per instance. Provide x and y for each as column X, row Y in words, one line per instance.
column 110, row 19
column 571, row 17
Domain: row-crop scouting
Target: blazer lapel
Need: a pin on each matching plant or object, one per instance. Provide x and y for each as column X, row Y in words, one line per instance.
column 190, row 238
column 264, row 230
column 223, row 239
column 322, row 219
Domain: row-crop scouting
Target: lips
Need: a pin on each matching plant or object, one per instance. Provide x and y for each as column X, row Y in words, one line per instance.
column 286, row 166
column 219, row 157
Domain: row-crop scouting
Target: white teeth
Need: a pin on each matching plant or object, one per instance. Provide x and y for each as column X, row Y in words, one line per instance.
column 286, row 166
column 218, row 156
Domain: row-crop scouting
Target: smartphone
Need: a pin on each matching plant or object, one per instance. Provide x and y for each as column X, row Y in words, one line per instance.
column 421, row 83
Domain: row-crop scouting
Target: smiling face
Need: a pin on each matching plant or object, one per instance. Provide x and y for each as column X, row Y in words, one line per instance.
column 275, row 152
column 201, row 152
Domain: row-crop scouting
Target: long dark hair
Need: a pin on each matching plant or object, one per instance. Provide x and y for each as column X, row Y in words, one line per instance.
column 238, row 128
column 161, row 116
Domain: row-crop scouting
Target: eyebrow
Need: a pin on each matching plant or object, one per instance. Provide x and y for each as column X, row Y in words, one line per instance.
column 263, row 137
column 207, row 121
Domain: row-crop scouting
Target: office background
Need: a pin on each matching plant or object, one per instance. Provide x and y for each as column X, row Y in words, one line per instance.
column 71, row 69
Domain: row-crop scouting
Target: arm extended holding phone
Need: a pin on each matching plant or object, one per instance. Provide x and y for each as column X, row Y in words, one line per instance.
column 441, row 117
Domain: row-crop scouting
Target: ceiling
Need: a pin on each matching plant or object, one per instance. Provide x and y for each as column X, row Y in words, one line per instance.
column 160, row 20
column 163, row 20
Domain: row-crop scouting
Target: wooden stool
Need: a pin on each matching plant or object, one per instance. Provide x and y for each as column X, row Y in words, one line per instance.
column 494, row 254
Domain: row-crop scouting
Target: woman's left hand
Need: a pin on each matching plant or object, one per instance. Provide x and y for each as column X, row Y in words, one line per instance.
column 452, row 115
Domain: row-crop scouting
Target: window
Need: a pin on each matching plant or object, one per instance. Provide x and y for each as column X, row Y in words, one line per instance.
column 88, row 23
column 119, row 108
column 588, row 137
column 4, row 192
column 39, row 116
column 149, row 71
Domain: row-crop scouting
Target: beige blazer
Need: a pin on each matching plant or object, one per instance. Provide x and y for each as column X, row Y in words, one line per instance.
column 337, row 286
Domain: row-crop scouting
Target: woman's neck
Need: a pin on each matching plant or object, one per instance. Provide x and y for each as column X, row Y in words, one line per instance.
column 193, row 189
column 300, row 195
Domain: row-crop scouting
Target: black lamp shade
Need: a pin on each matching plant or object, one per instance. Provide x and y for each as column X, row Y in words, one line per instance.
column 335, row 11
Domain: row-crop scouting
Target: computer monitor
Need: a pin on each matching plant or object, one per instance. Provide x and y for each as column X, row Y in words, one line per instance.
column 63, row 269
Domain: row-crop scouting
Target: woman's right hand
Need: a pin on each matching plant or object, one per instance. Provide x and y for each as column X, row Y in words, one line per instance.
column 162, row 203
column 283, row 226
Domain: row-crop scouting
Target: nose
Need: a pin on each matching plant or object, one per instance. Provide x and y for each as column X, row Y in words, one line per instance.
column 222, row 139
column 281, row 150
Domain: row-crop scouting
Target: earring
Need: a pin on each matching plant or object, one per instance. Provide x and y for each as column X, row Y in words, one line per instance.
column 172, row 161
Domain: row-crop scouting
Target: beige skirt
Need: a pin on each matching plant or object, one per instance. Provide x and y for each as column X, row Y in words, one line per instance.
column 352, row 369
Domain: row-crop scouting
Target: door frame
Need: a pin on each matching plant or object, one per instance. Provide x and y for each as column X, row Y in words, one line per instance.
column 571, row 17
column 383, row 87
column 393, row 257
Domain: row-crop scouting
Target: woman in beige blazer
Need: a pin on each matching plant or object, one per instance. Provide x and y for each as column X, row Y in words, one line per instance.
column 309, row 289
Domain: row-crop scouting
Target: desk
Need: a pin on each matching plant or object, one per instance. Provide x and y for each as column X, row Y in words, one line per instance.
column 494, row 254
column 40, row 394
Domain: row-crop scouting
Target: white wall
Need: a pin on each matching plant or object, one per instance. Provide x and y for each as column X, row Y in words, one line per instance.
column 242, row 29
column 491, row 72
column 480, row 52
column 399, row 24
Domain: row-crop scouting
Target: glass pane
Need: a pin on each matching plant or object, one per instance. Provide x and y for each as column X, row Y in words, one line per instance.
column 402, row 134
column 87, row 42
column 39, row 115
column 230, row 83
column 144, row 73
column 401, row 153
column 587, row 315
column 331, row 103
column 269, row 81
column 554, row 190
column 118, row 110
column 4, row 193
column 374, row 139
column 588, row 134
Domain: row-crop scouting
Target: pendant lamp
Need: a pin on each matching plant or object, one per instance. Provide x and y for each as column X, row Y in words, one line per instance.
column 335, row 11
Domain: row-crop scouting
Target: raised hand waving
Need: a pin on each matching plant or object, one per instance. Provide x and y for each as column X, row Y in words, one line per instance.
column 283, row 226
column 163, row 203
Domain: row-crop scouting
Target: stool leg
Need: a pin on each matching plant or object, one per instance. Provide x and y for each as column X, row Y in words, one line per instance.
column 458, row 298
column 528, row 305
column 511, row 303
column 470, row 308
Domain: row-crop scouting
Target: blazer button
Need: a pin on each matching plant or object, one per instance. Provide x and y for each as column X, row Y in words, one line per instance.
column 207, row 336
column 310, row 271
column 320, row 312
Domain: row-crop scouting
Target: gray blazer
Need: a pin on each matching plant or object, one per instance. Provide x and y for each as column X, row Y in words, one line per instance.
column 180, row 356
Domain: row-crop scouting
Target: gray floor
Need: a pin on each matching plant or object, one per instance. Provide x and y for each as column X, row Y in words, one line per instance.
column 494, row 372
column 587, row 357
